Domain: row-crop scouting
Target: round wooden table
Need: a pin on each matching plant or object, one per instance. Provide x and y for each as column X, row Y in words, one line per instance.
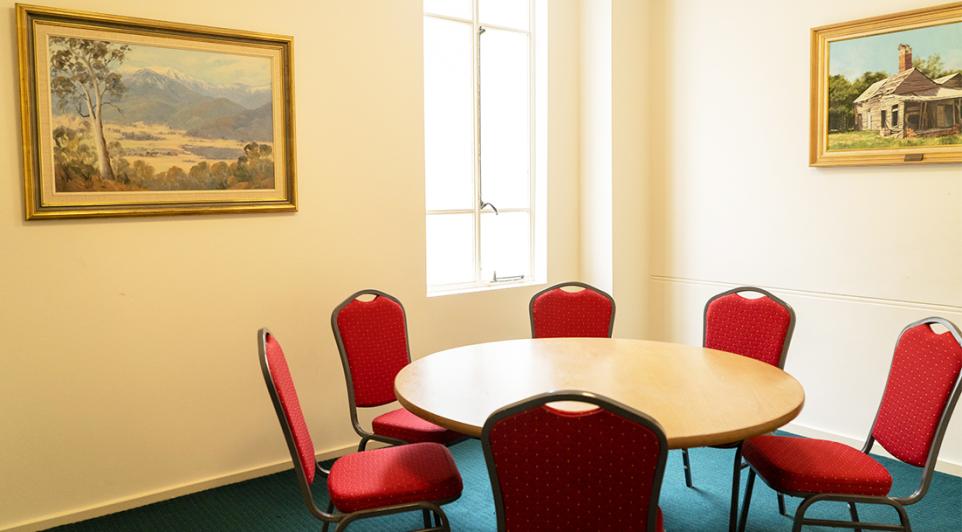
column 700, row 396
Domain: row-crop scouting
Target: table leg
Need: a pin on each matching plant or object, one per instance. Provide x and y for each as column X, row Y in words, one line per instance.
column 736, row 486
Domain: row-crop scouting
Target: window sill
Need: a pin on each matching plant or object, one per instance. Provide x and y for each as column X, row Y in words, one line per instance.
column 470, row 289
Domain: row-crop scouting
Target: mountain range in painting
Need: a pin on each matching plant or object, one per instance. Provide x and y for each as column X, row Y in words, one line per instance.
column 168, row 97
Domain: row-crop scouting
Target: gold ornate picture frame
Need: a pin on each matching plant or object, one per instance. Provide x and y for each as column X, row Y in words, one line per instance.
column 888, row 90
column 126, row 117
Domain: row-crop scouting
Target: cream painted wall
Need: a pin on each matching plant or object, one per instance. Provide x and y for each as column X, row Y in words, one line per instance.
column 614, row 156
column 129, row 360
column 630, row 170
column 597, row 266
column 859, row 252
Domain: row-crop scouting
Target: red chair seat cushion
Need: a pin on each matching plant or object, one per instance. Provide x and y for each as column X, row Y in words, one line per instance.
column 804, row 465
column 394, row 475
column 405, row 426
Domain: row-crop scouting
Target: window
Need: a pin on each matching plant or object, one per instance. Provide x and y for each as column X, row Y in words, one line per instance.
column 895, row 116
column 482, row 193
column 883, row 122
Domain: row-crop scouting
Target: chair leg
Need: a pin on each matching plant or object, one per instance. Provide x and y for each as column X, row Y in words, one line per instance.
column 736, row 484
column 781, row 504
column 750, row 485
column 441, row 521
column 800, row 514
column 362, row 444
column 799, row 520
column 853, row 511
column 903, row 518
column 426, row 516
column 687, row 462
column 330, row 510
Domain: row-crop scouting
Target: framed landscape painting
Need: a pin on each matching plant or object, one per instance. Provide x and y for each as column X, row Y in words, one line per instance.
column 888, row 90
column 124, row 117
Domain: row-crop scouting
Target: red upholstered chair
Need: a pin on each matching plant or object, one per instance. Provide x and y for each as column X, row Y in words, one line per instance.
column 921, row 393
column 759, row 328
column 420, row 476
column 584, row 313
column 373, row 341
column 550, row 469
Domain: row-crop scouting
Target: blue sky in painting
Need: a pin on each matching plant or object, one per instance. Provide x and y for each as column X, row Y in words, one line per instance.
column 880, row 53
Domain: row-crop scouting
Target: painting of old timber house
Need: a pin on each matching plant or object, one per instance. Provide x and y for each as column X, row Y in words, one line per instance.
column 891, row 90
column 910, row 104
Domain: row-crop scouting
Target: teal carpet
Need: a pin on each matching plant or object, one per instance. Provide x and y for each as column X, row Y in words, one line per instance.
column 273, row 503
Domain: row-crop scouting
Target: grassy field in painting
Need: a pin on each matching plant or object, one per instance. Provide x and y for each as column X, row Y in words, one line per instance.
column 158, row 157
column 862, row 140
column 163, row 147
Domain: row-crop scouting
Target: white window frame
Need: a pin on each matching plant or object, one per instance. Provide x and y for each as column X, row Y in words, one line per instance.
column 537, row 194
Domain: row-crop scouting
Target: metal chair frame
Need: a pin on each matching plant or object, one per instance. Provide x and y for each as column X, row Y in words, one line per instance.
column 579, row 284
column 581, row 397
column 738, row 465
column 898, row 503
column 365, row 434
column 340, row 520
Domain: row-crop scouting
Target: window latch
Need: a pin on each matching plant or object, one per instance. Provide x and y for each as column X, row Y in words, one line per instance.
column 486, row 204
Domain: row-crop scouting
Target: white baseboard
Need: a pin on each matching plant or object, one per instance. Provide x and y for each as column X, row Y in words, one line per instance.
column 943, row 466
column 127, row 503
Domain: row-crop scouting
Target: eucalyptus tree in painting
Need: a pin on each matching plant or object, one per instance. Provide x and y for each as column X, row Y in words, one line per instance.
column 83, row 80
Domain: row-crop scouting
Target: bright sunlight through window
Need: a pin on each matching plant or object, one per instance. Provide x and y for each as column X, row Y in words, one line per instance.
column 483, row 105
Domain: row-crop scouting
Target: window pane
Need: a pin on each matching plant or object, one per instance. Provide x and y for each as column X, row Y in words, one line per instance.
column 450, row 243
column 505, row 119
column 448, row 114
column 510, row 13
column 450, row 8
column 505, row 245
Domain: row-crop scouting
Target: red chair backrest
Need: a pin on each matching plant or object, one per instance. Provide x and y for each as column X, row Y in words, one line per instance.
column 372, row 338
column 584, row 313
column 599, row 469
column 925, row 371
column 281, row 387
column 759, row 328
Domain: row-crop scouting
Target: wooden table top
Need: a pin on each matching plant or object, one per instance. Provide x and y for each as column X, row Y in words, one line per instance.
column 700, row 396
